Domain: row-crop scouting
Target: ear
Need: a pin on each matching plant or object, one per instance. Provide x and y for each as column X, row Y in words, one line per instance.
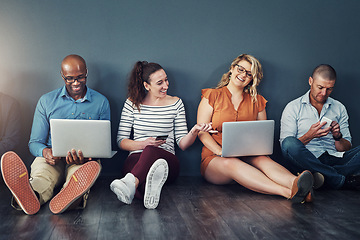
column 311, row 80
column 146, row 86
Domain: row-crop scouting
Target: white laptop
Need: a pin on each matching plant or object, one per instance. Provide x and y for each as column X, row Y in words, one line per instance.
column 247, row 138
column 92, row 137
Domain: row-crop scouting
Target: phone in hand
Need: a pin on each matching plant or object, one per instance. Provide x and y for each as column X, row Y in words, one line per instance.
column 328, row 122
column 163, row 137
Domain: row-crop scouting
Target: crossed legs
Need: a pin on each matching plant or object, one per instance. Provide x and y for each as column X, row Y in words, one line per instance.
column 260, row 174
column 146, row 172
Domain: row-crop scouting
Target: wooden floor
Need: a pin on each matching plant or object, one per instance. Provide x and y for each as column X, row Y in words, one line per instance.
column 191, row 209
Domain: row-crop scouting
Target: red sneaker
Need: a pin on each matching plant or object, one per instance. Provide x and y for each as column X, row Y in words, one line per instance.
column 16, row 178
column 80, row 182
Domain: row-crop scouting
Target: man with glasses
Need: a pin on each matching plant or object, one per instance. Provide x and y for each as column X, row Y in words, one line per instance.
column 72, row 101
column 315, row 134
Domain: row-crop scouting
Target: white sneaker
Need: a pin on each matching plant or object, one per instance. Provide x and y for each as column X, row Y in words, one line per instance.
column 124, row 188
column 155, row 179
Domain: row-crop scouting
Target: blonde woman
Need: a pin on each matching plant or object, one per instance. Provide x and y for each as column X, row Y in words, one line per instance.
column 236, row 99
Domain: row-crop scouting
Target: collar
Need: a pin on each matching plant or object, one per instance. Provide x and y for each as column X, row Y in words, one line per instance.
column 306, row 100
column 87, row 97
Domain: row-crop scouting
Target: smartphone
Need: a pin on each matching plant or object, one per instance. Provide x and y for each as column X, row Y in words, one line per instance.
column 328, row 122
column 164, row 137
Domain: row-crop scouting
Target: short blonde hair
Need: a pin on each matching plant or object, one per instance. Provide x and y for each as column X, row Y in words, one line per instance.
column 256, row 71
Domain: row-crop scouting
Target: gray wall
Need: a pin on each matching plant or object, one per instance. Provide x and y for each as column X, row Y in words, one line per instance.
column 195, row 41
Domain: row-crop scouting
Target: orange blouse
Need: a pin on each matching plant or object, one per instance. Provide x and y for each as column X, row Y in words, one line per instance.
column 224, row 111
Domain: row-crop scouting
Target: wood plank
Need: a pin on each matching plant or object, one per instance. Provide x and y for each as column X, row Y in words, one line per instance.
column 190, row 208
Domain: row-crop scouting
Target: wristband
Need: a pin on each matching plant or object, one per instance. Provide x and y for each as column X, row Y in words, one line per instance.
column 338, row 138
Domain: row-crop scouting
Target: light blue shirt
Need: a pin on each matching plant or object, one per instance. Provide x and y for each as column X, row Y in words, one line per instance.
column 59, row 105
column 299, row 115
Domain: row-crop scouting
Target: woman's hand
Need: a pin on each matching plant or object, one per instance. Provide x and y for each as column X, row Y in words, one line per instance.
column 201, row 127
column 189, row 139
column 207, row 127
column 153, row 142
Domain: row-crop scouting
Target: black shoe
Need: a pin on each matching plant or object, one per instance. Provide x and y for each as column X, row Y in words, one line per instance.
column 352, row 182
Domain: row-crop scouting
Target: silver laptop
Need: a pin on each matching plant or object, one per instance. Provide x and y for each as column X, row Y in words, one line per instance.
column 247, row 138
column 92, row 137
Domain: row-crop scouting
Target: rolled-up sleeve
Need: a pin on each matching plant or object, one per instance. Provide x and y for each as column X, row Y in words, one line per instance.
column 344, row 123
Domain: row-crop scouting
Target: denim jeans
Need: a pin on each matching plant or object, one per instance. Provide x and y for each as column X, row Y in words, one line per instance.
column 333, row 168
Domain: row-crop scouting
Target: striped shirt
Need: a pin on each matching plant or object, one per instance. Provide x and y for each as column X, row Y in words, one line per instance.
column 153, row 121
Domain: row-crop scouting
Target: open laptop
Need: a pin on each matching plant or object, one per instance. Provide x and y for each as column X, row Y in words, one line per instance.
column 92, row 137
column 247, row 138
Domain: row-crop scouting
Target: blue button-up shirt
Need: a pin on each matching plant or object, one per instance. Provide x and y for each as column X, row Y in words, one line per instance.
column 59, row 105
column 299, row 115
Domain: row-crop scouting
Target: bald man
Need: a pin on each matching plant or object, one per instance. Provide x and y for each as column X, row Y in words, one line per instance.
column 315, row 135
column 72, row 101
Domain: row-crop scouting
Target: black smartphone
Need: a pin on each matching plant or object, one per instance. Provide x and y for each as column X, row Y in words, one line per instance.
column 164, row 137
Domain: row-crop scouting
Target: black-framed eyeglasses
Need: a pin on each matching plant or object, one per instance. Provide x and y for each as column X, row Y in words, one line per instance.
column 71, row 79
column 242, row 70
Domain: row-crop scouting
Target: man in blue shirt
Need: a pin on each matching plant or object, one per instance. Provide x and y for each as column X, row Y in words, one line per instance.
column 73, row 101
column 308, row 144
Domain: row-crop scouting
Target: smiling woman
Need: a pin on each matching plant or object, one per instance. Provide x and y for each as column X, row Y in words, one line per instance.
column 236, row 99
column 244, row 64
column 157, row 87
column 150, row 113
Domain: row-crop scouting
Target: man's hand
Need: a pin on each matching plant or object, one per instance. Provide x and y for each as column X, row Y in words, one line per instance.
column 76, row 158
column 49, row 158
column 335, row 129
column 315, row 131
column 341, row 144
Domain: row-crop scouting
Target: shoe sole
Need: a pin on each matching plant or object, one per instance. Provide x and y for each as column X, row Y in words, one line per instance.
column 304, row 183
column 81, row 181
column 16, row 178
column 155, row 180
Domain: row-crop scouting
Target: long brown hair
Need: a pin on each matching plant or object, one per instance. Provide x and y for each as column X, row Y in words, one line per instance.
column 256, row 71
column 140, row 74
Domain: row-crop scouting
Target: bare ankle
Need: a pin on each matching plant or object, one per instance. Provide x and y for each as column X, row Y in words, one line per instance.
column 136, row 182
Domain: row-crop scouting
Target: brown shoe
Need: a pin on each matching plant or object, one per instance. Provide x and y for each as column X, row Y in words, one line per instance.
column 301, row 186
column 16, row 178
column 310, row 197
column 80, row 182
